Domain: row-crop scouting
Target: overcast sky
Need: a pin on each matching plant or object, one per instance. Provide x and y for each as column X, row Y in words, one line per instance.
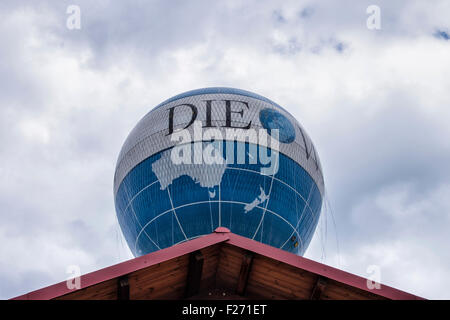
column 376, row 103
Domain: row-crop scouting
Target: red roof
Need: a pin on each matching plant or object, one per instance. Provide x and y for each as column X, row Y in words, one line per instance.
column 221, row 236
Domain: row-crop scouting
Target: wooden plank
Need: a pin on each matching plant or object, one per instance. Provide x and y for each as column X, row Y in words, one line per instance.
column 225, row 279
column 230, row 271
column 303, row 280
column 167, row 286
column 228, row 262
column 123, row 288
column 148, row 282
column 232, row 256
column 218, row 294
column 230, row 274
column 210, row 267
column 232, row 251
column 339, row 291
column 258, row 291
column 102, row 291
column 162, row 282
column 211, row 250
column 319, row 287
column 231, row 278
column 228, row 266
column 211, row 259
column 194, row 275
column 292, row 280
column 159, row 269
column 274, row 285
column 208, row 283
column 148, row 276
column 209, row 271
column 284, row 268
column 174, row 291
column 246, row 266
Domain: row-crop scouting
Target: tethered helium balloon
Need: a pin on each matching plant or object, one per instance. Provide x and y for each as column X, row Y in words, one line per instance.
column 218, row 157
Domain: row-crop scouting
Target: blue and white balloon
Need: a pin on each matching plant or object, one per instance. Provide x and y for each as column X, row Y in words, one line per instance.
column 218, row 157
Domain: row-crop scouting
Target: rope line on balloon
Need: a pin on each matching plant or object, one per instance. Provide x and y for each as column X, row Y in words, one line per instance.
column 231, row 168
column 213, row 201
column 232, row 192
column 240, row 169
column 138, row 193
column 329, row 208
column 135, row 216
column 298, row 221
column 210, row 209
column 278, row 180
column 174, row 212
column 267, row 202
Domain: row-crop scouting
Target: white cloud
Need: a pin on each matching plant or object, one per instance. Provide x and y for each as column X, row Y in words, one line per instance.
column 35, row 131
column 403, row 230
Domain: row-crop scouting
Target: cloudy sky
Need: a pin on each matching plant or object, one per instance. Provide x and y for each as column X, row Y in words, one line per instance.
column 375, row 102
